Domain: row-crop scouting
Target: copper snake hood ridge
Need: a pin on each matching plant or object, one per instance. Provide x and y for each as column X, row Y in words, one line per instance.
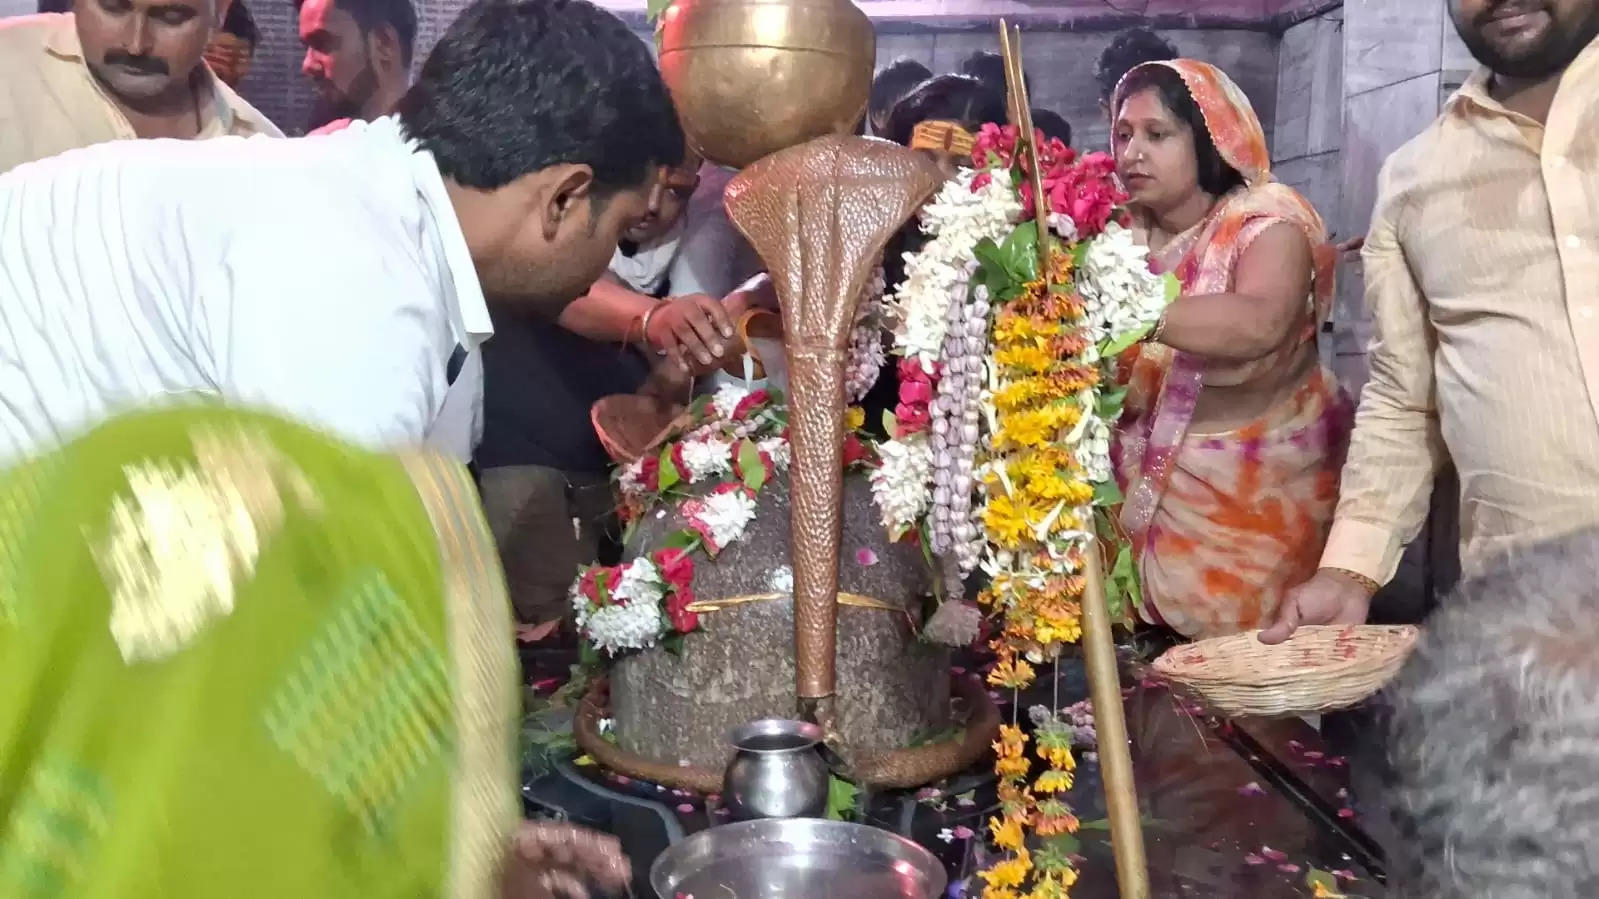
column 820, row 214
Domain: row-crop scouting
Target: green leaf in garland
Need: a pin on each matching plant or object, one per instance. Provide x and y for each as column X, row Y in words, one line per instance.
column 654, row 8
column 587, row 655
column 1119, row 344
column 673, row 644
column 890, row 425
column 669, row 475
column 681, row 539
column 1125, row 574
column 749, row 464
column 1107, row 493
column 1173, row 287
column 841, row 795
column 1109, row 404
column 1021, row 251
column 991, row 256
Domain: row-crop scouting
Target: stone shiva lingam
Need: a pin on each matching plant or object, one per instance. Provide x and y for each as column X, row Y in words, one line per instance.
column 767, row 587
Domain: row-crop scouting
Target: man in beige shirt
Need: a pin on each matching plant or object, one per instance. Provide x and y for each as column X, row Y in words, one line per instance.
column 111, row 71
column 1482, row 274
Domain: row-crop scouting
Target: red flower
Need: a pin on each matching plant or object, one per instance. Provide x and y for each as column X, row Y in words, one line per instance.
column 677, row 569
column 649, row 473
column 754, row 400
column 677, row 461
column 916, row 392
column 854, row 450
column 909, row 418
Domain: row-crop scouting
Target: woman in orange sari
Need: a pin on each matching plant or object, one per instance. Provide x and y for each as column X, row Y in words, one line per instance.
column 1233, row 433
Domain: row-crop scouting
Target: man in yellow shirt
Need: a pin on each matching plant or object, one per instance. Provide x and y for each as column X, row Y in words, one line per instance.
column 1481, row 269
column 112, row 70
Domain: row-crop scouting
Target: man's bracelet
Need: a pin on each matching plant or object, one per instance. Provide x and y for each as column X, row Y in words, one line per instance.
column 644, row 327
column 1371, row 586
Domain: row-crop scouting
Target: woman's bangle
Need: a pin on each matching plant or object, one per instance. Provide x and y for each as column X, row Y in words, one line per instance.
column 644, row 327
column 1159, row 329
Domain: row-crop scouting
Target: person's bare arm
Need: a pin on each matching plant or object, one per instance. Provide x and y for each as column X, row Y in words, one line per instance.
column 693, row 326
column 1268, row 299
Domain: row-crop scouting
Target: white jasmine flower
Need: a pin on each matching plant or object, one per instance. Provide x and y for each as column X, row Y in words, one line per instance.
column 707, row 458
column 899, row 484
column 725, row 515
column 616, row 628
column 778, row 449
column 727, row 398
column 1120, row 294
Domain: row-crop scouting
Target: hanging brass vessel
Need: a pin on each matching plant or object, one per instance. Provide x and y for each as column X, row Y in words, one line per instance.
column 751, row 77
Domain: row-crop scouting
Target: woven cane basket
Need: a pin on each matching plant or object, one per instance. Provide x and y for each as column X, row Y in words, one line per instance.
column 1316, row 670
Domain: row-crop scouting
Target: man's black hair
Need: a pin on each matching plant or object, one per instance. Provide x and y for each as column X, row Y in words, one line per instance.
column 239, row 23
column 369, row 15
column 989, row 67
column 1053, row 124
column 894, row 81
column 1128, row 50
column 516, row 86
column 956, row 98
column 1216, row 177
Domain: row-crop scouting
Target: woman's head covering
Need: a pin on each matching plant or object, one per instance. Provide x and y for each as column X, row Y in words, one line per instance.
column 1241, row 142
column 1229, row 117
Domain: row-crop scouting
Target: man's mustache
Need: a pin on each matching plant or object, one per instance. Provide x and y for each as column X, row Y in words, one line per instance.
column 149, row 65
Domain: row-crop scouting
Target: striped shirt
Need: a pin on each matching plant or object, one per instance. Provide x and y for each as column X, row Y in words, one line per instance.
column 1482, row 276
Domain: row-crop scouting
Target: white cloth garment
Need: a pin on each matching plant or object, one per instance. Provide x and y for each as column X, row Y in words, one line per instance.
column 326, row 278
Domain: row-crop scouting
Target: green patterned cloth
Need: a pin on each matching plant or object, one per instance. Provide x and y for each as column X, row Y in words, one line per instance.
column 240, row 659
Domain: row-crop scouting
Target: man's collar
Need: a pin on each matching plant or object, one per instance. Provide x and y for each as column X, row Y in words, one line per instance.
column 1477, row 90
column 470, row 310
column 63, row 38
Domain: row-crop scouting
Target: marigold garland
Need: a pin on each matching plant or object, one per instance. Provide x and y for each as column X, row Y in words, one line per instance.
column 1043, row 467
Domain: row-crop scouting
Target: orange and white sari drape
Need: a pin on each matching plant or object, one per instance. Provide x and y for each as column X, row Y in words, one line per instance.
column 1224, row 523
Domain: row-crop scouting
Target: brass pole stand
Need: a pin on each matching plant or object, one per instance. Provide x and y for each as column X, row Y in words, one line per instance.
column 1099, row 646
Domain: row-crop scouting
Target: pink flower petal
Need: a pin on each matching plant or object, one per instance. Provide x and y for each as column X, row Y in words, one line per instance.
column 865, row 557
column 963, row 833
column 1315, row 756
column 1289, row 868
column 685, row 808
column 1273, row 854
column 1343, row 874
column 1346, row 813
column 1295, row 745
column 1253, row 859
column 1251, row 789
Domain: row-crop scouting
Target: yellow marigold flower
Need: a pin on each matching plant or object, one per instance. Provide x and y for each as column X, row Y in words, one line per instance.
column 854, row 418
column 1007, row 832
column 1029, row 358
column 1058, row 757
column 1012, row 742
column 1011, row 872
column 1006, row 524
column 1000, row 893
column 1014, row 674
column 1057, row 631
column 1053, row 825
column 1053, row 781
column 1012, row 767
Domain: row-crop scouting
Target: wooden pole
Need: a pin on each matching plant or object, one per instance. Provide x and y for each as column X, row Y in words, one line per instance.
column 1099, row 646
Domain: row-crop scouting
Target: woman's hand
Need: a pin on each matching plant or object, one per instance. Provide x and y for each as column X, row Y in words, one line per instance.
column 559, row 861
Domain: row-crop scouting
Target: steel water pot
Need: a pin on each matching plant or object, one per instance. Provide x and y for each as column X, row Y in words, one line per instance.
column 776, row 771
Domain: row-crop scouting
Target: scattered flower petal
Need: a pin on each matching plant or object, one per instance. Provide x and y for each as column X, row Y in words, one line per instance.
column 1251, row 789
column 865, row 557
column 1253, row 859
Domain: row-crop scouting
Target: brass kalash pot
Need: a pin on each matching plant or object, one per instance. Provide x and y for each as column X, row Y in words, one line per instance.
column 751, row 77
